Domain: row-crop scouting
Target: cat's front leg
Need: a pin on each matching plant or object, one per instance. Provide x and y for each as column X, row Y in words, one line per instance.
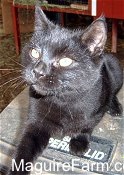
column 33, row 141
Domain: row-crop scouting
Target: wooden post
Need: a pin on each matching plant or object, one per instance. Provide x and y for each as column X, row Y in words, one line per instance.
column 114, row 35
column 62, row 19
column 16, row 29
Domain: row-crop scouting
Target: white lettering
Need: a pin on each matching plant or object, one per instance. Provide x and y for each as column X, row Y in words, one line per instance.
column 47, row 167
column 88, row 153
column 99, row 156
column 38, row 167
column 85, row 167
column 29, row 166
column 54, row 165
column 118, row 166
column 20, row 165
column 94, row 153
column 74, row 163
column 62, row 145
column 92, row 166
column 67, row 148
column 59, row 164
column 66, row 166
column 102, row 167
column 51, row 140
column 55, row 143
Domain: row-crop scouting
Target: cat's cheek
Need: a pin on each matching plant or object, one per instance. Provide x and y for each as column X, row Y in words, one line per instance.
column 29, row 76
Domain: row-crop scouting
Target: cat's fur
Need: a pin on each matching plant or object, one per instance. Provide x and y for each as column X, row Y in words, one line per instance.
column 67, row 100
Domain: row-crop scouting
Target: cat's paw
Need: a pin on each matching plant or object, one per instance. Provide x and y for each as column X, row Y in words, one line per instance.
column 115, row 108
column 79, row 145
column 116, row 111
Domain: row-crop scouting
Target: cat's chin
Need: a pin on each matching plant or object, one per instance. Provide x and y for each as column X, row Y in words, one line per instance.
column 44, row 91
column 39, row 90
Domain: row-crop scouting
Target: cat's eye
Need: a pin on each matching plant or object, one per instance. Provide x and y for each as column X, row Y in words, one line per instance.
column 34, row 53
column 64, row 62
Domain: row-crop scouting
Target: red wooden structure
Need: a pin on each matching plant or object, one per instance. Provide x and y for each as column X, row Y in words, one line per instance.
column 110, row 8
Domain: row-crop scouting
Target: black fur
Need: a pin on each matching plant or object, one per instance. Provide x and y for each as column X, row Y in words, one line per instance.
column 67, row 100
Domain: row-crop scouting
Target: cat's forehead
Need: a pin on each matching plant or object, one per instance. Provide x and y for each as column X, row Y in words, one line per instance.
column 58, row 36
column 61, row 34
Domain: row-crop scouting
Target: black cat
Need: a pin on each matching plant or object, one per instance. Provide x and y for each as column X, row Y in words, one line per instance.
column 72, row 84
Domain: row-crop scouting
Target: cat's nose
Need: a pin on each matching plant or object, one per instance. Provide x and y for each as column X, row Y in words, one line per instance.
column 38, row 74
column 39, row 70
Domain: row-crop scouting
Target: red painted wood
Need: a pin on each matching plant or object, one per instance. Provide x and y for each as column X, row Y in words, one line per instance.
column 111, row 8
column 56, row 9
column 16, row 29
column 89, row 6
column 62, row 19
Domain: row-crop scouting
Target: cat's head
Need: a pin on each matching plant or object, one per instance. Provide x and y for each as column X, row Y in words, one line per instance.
column 62, row 60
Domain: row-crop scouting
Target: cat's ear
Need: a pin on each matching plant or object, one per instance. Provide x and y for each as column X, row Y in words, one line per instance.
column 95, row 36
column 41, row 21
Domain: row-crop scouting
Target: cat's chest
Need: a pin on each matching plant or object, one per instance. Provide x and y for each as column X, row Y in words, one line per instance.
column 70, row 122
column 63, row 113
column 70, row 118
column 66, row 117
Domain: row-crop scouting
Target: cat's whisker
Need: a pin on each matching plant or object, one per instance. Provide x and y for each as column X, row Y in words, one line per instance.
column 68, row 107
column 48, row 111
column 10, row 69
column 79, row 95
column 10, row 81
column 59, row 108
column 9, row 87
column 17, row 63
column 10, row 73
column 20, row 83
